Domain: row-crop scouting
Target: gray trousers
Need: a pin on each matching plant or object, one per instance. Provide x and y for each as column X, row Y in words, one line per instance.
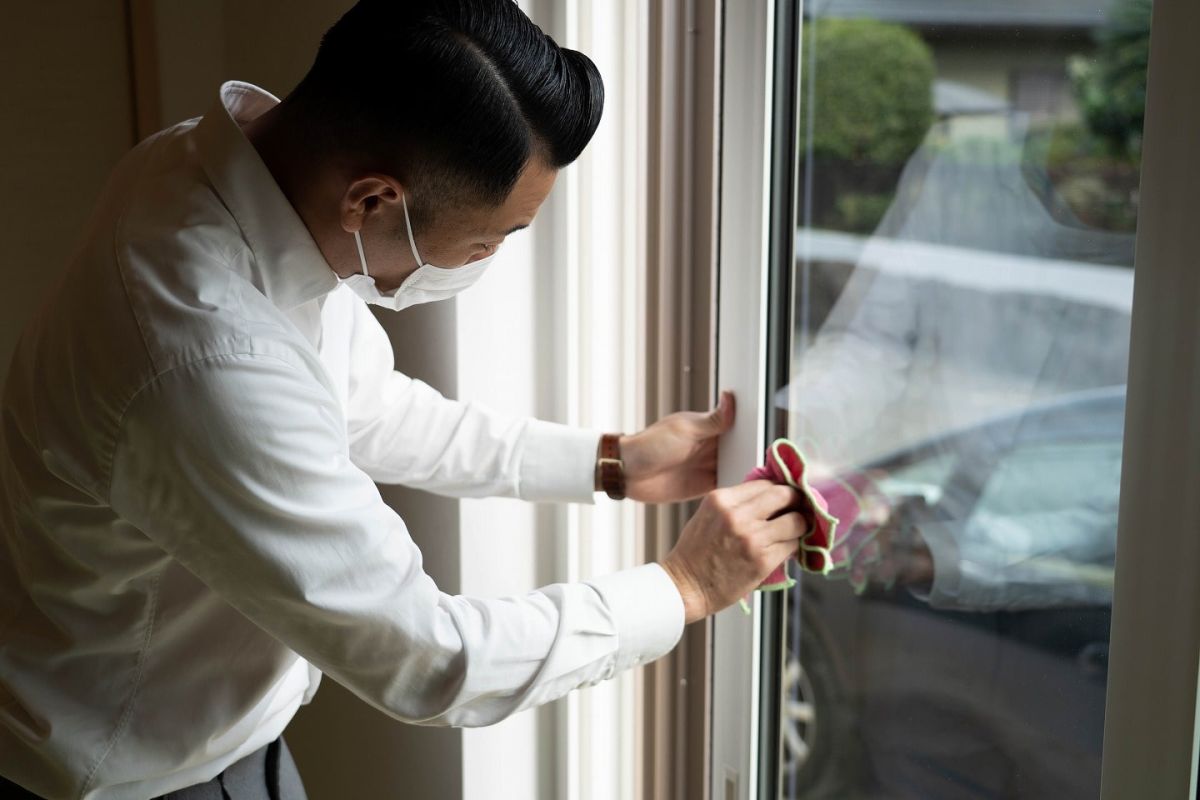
column 268, row 773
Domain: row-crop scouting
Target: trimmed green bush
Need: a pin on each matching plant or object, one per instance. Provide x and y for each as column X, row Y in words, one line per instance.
column 873, row 90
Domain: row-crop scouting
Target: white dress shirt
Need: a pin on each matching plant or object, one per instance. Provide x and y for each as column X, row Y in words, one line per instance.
column 193, row 425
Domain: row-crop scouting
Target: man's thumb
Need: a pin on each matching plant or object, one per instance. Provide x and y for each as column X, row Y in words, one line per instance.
column 721, row 417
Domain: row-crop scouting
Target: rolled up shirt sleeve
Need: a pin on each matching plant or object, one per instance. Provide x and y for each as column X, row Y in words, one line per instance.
column 404, row 431
column 239, row 467
column 1015, row 562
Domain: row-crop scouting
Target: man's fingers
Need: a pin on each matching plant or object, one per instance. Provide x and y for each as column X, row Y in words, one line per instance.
column 787, row 528
column 775, row 498
column 780, row 552
column 743, row 492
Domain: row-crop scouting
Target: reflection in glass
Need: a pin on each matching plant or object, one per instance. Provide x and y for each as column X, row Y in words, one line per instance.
column 963, row 288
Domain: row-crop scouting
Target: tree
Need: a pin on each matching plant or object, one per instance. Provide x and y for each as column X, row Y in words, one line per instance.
column 1111, row 85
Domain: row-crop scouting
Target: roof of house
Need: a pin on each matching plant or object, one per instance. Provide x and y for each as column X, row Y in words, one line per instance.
column 970, row 13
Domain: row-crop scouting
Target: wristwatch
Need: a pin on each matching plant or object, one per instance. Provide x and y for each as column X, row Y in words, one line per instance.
column 610, row 469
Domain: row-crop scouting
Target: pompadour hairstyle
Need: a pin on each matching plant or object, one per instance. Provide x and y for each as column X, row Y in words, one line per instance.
column 453, row 97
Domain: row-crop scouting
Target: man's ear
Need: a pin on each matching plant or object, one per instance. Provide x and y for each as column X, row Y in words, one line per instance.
column 367, row 195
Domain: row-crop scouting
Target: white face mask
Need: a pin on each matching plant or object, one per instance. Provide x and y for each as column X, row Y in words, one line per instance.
column 425, row 285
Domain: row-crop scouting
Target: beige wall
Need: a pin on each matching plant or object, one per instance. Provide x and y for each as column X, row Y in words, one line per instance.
column 68, row 117
column 201, row 43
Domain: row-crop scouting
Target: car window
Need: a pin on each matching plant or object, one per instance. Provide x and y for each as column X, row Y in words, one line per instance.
column 1053, row 476
column 925, row 477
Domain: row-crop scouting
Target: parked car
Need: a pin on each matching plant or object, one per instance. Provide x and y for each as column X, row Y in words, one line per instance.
column 886, row 694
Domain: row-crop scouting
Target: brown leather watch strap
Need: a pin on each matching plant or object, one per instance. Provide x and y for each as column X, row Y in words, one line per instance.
column 610, row 467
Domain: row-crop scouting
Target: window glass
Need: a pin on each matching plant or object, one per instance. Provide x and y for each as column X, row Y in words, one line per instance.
column 1052, row 477
column 960, row 307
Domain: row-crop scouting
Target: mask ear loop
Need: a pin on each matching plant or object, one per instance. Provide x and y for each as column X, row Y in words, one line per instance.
column 362, row 259
column 408, row 224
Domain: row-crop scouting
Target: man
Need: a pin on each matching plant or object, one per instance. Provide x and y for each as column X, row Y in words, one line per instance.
column 194, row 421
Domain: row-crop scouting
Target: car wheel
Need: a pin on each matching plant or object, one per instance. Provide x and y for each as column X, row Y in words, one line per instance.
column 799, row 716
column 816, row 728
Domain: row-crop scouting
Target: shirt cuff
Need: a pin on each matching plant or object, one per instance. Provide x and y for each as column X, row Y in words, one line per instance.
column 647, row 612
column 943, row 549
column 558, row 464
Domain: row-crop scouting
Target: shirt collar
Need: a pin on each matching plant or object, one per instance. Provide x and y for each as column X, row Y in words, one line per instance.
column 288, row 266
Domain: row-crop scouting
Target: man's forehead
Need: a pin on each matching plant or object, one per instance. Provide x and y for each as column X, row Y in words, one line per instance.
column 519, row 208
column 497, row 222
column 526, row 198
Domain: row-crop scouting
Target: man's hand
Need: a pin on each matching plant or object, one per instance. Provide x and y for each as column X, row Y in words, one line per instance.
column 732, row 543
column 676, row 458
column 905, row 557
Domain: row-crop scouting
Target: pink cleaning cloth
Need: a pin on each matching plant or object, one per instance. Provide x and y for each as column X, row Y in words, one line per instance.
column 856, row 550
column 785, row 464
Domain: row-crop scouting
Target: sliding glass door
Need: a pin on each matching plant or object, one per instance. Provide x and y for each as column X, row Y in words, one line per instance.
column 946, row 275
column 959, row 314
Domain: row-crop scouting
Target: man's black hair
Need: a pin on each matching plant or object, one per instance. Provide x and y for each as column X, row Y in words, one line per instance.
column 452, row 97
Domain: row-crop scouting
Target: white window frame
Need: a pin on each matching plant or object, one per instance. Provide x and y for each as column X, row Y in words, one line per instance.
column 747, row 70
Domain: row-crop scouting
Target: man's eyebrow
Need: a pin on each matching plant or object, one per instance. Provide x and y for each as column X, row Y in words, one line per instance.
column 517, row 228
